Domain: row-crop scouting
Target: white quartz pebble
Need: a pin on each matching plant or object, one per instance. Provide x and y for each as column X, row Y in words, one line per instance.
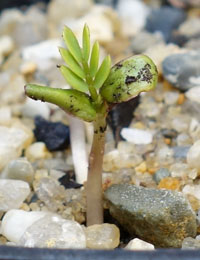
column 193, row 190
column 37, row 151
column 15, row 222
column 42, row 50
column 193, row 156
column 19, row 169
column 33, row 108
column 5, row 116
column 138, row 244
column 6, row 45
column 12, row 141
column 12, row 194
column 193, row 94
column 133, row 15
column 137, row 136
column 54, row 231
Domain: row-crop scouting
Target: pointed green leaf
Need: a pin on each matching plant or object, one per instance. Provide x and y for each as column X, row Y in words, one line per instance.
column 73, row 80
column 72, row 44
column 94, row 60
column 102, row 73
column 86, row 43
column 72, row 63
column 70, row 100
column 128, row 78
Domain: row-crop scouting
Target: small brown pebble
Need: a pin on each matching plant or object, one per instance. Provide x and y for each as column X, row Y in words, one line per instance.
column 167, row 86
column 152, row 170
column 169, row 183
column 167, row 141
column 181, row 99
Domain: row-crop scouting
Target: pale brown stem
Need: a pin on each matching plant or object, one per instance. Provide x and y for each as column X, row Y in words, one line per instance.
column 94, row 181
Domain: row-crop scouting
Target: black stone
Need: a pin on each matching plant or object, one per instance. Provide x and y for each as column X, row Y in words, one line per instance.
column 68, row 181
column 54, row 135
column 165, row 20
column 121, row 116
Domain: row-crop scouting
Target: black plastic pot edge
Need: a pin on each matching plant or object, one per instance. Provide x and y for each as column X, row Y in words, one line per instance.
column 22, row 253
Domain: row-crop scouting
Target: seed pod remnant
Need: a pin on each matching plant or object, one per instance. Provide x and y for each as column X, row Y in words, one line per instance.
column 128, row 78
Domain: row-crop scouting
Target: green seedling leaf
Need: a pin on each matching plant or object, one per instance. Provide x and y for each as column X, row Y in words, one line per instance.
column 72, row 63
column 86, row 43
column 102, row 73
column 71, row 101
column 72, row 44
column 73, row 80
column 128, row 78
column 94, row 60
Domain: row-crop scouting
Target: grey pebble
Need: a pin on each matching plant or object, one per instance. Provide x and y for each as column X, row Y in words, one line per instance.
column 181, row 151
column 183, row 69
column 160, row 174
column 161, row 217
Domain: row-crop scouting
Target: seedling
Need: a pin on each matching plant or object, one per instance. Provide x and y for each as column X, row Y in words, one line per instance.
column 95, row 89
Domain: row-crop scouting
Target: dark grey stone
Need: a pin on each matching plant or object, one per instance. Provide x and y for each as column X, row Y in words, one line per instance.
column 160, row 174
column 54, row 135
column 183, row 69
column 165, row 20
column 161, row 217
column 121, row 116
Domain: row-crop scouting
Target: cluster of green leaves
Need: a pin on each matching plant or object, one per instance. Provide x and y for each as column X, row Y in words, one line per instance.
column 95, row 86
column 83, row 72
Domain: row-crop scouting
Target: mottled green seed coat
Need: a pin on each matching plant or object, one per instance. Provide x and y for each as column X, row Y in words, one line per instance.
column 128, row 78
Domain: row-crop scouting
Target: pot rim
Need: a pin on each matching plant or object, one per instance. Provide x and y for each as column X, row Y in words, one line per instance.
column 24, row 253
